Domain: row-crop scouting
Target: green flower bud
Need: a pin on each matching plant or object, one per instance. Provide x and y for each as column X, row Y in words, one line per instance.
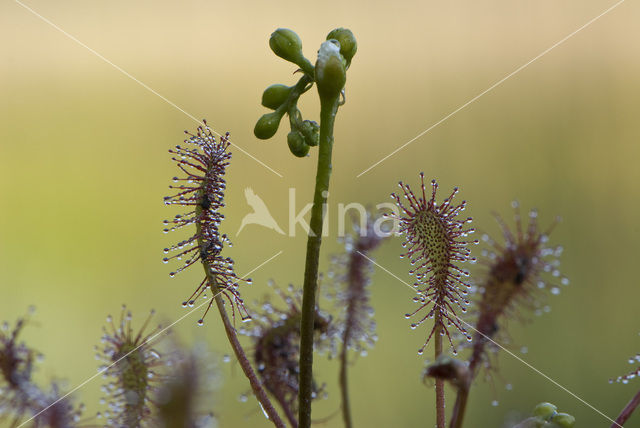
column 311, row 132
column 267, row 126
column 286, row 44
column 545, row 410
column 330, row 70
column 564, row 420
column 296, row 144
column 275, row 95
column 348, row 44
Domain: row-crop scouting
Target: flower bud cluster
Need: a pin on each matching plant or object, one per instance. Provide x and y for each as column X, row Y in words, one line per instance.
column 329, row 73
column 547, row 415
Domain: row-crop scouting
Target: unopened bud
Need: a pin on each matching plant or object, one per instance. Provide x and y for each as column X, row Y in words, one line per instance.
column 275, row 95
column 348, row 44
column 296, row 144
column 564, row 420
column 267, row 125
column 330, row 70
column 311, row 132
column 545, row 410
column 286, row 44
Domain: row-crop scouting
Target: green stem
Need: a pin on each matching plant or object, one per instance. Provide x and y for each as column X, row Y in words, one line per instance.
column 328, row 110
column 303, row 85
column 256, row 384
column 440, row 403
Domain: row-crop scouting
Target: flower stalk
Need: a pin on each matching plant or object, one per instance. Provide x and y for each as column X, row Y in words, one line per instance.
column 328, row 110
column 330, row 77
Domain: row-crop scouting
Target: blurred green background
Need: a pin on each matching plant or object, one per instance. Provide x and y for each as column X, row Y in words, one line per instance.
column 84, row 167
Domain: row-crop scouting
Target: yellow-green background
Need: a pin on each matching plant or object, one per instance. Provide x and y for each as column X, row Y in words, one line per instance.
column 84, row 167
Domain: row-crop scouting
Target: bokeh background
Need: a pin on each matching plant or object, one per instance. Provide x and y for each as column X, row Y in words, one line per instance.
column 84, row 167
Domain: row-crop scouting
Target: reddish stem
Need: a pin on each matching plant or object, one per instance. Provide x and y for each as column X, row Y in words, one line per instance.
column 440, row 403
column 256, row 384
column 627, row 411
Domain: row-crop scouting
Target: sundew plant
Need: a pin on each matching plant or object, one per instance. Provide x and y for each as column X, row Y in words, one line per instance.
column 469, row 292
